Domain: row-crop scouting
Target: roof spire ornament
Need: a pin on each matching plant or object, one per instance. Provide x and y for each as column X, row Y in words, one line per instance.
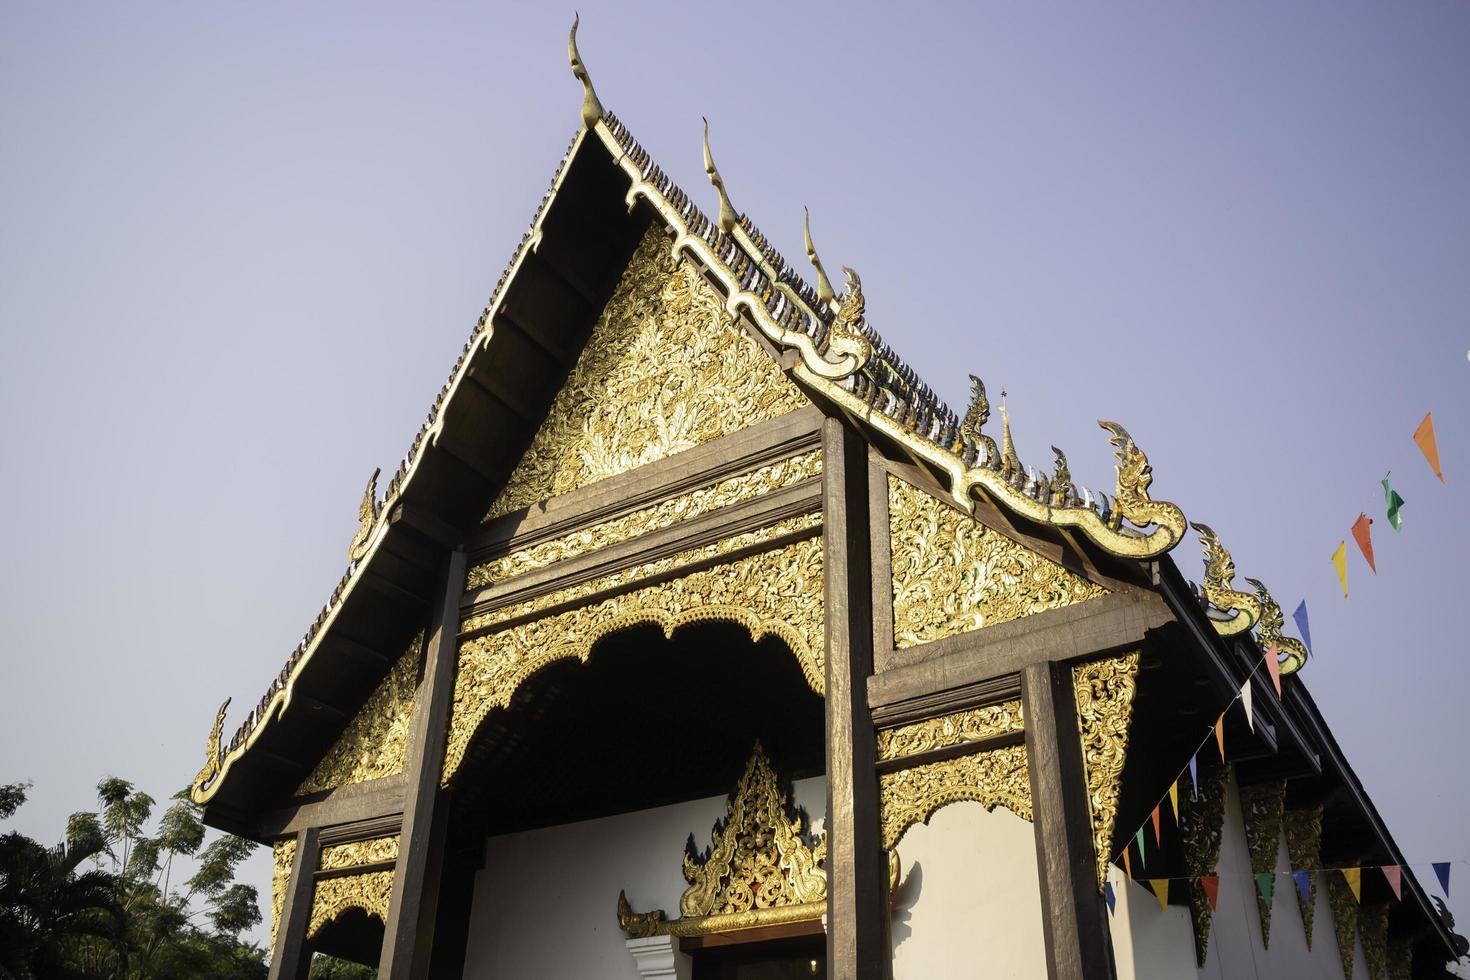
column 1063, row 490
column 1009, row 462
column 367, row 516
column 825, row 293
column 591, row 106
column 728, row 218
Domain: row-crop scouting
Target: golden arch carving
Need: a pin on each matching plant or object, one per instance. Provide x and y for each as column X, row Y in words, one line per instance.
column 371, row 892
column 777, row 592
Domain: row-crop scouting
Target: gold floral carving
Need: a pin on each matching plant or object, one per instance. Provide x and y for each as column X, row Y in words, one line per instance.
column 1344, row 918
column 775, row 593
column 1261, row 807
column 952, row 574
column 370, row 851
column 1400, row 959
column 1303, row 829
column 665, row 369
column 284, row 854
column 1373, row 928
column 1202, row 828
column 954, row 729
column 667, row 513
column 374, row 742
column 1104, row 691
column 995, row 778
column 371, row 892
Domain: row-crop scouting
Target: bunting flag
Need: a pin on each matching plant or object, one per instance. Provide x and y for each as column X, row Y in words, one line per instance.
column 1220, row 735
column 1354, row 878
column 1339, row 561
column 1194, row 774
column 1142, row 860
column 1174, row 800
column 1391, row 496
column 1211, row 885
column 1157, row 840
column 1112, row 899
column 1127, row 864
column 1273, row 667
column 1424, row 439
column 1301, row 624
column 1266, row 885
column 1303, row 881
column 1161, row 890
column 1442, row 872
column 1245, row 699
column 1364, row 538
column 1392, row 873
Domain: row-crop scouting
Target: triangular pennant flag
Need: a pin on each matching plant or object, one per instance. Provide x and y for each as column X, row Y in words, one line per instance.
column 1194, row 777
column 1161, row 891
column 1127, row 864
column 1220, row 735
column 1442, row 872
column 1364, row 537
column 1354, row 878
column 1301, row 624
column 1303, row 881
column 1211, row 885
column 1339, row 561
column 1142, row 860
column 1155, row 818
column 1424, row 439
column 1174, row 800
column 1111, row 898
column 1245, row 699
column 1273, row 667
column 1394, row 501
column 1391, row 872
column 1266, row 885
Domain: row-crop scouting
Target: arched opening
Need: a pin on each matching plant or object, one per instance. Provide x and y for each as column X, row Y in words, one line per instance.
column 353, row 934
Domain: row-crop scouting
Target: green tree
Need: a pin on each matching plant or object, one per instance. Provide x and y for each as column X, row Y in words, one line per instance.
column 325, row 967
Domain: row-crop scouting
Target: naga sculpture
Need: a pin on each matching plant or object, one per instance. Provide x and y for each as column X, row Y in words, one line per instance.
column 1268, row 631
column 1131, row 499
column 1243, row 610
column 591, row 106
column 211, row 751
column 367, row 516
column 1063, row 490
column 975, row 416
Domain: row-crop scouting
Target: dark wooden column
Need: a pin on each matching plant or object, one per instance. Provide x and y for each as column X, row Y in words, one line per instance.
column 290, row 959
column 1074, row 916
column 408, row 937
column 857, row 940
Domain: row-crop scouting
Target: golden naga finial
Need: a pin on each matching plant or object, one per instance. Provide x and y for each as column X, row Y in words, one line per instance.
column 728, row 218
column 367, row 516
column 1062, row 487
column 1293, row 652
column 211, row 752
column 591, row 106
column 976, row 416
column 1130, row 496
column 1009, row 462
column 825, row 293
column 1245, row 609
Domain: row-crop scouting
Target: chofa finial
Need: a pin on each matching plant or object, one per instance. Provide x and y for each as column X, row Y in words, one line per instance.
column 825, row 293
column 367, row 519
column 728, row 217
column 591, row 107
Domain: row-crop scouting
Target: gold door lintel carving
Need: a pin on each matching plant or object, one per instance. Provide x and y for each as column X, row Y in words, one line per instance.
column 995, row 778
column 1104, row 691
column 953, row 729
column 371, row 892
column 370, row 851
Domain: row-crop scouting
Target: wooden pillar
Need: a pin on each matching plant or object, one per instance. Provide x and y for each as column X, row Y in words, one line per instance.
column 857, row 939
column 290, row 959
column 1074, row 915
column 408, row 936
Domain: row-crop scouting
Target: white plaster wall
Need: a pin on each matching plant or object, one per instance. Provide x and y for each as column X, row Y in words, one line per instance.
column 1150, row 944
column 546, row 903
column 969, row 904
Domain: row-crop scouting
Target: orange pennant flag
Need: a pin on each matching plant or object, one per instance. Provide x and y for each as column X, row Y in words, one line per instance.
column 1174, row 800
column 1364, row 537
column 1354, row 878
column 1339, row 561
column 1161, row 890
column 1220, row 735
column 1211, row 885
column 1273, row 667
column 1155, row 818
column 1127, row 864
column 1424, row 438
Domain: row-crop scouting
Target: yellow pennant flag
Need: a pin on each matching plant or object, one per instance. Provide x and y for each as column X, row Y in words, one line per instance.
column 1174, row 800
column 1161, row 891
column 1339, row 561
column 1354, row 878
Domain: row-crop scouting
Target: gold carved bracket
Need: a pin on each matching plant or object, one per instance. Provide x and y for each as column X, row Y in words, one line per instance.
column 1104, row 691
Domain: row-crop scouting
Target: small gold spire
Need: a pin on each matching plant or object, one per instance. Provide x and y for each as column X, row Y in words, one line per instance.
column 591, row 107
column 728, row 217
column 825, row 292
column 1009, row 461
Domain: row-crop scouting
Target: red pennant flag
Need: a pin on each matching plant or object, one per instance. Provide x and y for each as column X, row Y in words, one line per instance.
column 1155, row 818
column 1392, row 873
column 1127, row 864
column 1364, row 537
column 1220, row 735
column 1273, row 667
column 1424, row 438
column 1211, row 885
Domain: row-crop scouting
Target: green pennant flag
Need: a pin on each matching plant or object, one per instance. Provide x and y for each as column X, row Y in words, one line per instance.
column 1266, row 885
column 1394, row 503
column 1139, row 837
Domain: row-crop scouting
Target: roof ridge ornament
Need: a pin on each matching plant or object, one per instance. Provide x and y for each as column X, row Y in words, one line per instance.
column 728, row 217
column 1243, row 609
column 1010, row 463
column 592, row 110
column 367, row 516
column 1063, row 490
column 211, row 753
column 976, row 416
column 1268, row 631
column 825, row 293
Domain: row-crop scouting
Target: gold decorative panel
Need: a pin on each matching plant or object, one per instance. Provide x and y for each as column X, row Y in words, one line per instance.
column 1104, row 691
column 1202, row 814
column 284, row 854
column 371, row 892
column 1303, row 831
column 1344, row 918
column 370, row 851
column 1261, row 807
column 952, row 574
column 776, row 592
column 995, row 778
column 746, row 486
column 665, row 369
column 374, row 742
column 962, row 726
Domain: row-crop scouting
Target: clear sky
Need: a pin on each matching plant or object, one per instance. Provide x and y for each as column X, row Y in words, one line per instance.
column 242, row 244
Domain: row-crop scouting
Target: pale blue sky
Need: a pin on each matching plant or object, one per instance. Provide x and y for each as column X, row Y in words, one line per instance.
column 241, row 245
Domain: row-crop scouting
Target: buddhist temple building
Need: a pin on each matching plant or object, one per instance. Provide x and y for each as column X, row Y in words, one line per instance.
column 696, row 637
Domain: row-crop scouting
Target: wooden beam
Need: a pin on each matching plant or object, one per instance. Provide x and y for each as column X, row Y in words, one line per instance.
column 857, row 934
column 291, row 959
column 408, row 936
column 1073, row 914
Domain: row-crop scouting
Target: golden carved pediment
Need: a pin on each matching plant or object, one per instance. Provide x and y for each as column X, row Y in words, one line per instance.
column 665, row 369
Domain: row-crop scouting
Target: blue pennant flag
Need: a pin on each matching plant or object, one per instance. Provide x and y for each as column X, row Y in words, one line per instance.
column 1303, row 881
column 1112, row 899
column 1301, row 624
column 1442, row 872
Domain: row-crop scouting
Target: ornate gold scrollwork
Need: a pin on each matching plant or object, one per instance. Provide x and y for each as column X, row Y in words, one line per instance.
column 283, row 853
column 995, row 778
column 1245, row 609
column 371, row 892
column 1104, row 691
column 666, row 513
column 370, row 851
column 1261, row 806
column 666, row 369
column 952, row 574
column 1303, row 830
column 212, row 753
column 1293, row 652
column 776, row 592
column 1203, row 830
column 970, row 725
